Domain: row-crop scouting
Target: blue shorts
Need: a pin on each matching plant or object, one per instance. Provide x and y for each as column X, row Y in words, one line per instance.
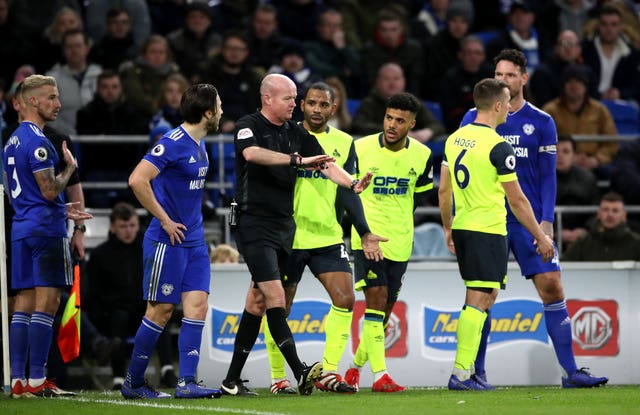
column 170, row 271
column 40, row 262
column 333, row 258
column 369, row 273
column 521, row 244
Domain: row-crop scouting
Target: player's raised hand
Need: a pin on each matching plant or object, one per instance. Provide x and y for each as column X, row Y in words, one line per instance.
column 74, row 213
column 371, row 246
column 67, row 156
column 363, row 183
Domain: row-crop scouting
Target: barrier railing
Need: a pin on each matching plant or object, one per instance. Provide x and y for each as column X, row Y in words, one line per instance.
column 220, row 139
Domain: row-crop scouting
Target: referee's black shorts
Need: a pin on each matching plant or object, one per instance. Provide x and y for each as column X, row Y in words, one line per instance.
column 265, row 244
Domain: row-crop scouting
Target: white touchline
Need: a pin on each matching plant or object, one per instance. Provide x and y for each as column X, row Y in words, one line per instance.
column 167, row 406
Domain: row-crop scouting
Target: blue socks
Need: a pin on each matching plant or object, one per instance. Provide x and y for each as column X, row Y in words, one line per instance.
column 558, row 323
column 143, row 346
column 189, row 347
column 40, row 335
column 482, row 349
column 19, row 344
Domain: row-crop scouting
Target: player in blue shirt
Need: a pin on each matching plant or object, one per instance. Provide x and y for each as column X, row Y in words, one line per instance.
column 532, row 133
column 41, row 263
column 169, row 183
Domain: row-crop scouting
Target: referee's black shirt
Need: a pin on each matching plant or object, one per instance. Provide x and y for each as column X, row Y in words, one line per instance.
column 268, row 190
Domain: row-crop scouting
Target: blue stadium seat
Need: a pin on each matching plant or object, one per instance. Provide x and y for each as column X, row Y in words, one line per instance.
column 435, row 109
column 625, row 115
column 352, row 106
column 487, row 35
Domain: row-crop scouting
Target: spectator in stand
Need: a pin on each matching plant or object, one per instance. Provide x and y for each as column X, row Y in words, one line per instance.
column 110, row 113
column 390, row 81
column 341, row 119
column 298, row 18
column 441, row 52
column 265, row 39
column 195, row 42
column 32, row 17
column 77, row 79
column 613, row 60
column 329, row 54
column 293, row 66
column 629, row 11
column 237, row 82
column 358, row 19
column 117, row 45
column 456, row 87
column 546, row 82
column 430, row 20
column 49, row 46
column 169, row 113
column 114, row 274
column 15, row 48
column 142, row 78
column 231, row 15
column 625, row 172
column 576, row 113
column 558, row 16
column 520, row 34
column 609, row 238
column 391, row 44
column 575, row 186
column 95, row 13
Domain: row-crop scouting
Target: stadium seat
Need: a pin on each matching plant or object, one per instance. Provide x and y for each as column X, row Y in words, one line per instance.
column 435, row 109
column 625, row 115
column 487, row 35
column 352, row 106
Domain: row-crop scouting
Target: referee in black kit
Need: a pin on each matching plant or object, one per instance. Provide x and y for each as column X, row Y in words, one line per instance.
column 269, row 149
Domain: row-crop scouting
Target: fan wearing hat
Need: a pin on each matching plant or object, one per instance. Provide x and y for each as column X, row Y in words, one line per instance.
column 576, row 113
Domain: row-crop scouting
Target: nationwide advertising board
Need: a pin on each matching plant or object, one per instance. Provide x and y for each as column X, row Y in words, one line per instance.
column 421, row 333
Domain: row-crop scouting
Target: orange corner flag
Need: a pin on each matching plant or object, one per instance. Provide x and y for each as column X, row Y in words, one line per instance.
column 69, row 333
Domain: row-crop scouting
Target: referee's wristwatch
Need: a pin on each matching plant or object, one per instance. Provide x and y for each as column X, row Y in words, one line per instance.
column 353, row 184
column 82, row 228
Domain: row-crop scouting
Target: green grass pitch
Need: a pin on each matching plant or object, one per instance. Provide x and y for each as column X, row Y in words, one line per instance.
column 612, row 400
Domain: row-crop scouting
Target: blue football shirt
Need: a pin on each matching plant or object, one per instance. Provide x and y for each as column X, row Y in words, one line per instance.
column 26, row 152
column 182, row 164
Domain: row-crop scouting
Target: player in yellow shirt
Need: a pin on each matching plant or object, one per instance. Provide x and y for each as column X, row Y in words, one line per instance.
column 319, row 244
column 477, row 172
column 402, row 166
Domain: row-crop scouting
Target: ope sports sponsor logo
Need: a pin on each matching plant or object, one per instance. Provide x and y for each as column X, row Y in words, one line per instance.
column 511, row 320
column 594, row 327
column 395, row 342
column 389, row 185
column 306, row 320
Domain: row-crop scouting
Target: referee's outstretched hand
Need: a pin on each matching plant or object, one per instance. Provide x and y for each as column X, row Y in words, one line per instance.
column 316, row 162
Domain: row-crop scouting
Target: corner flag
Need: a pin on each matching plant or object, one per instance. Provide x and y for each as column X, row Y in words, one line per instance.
column 69, row 333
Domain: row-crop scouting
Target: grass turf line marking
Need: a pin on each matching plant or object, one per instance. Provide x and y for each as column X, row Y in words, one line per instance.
column 182, row 407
